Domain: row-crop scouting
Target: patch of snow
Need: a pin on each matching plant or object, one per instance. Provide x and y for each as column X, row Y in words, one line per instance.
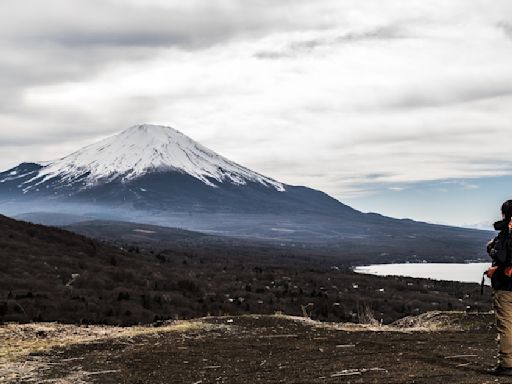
column 142, row 149
column 14, row 175
column 282, row 230
column 143, row 231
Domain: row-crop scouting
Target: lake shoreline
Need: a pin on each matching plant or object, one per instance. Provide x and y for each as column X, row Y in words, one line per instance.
column 460, row 272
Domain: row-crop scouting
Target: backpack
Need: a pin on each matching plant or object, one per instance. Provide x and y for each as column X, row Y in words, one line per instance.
column 498, row 250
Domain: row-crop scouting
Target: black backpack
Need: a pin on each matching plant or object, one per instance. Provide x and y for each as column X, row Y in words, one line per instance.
column 499, row 249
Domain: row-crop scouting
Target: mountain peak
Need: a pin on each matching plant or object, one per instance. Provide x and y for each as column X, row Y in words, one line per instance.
column 148, row 126
column 151, row 128
column 143, row 149
column 150, row 131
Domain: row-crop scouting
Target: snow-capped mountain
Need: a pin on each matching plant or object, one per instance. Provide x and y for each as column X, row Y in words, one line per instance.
column 156, row 168
column 140, row 150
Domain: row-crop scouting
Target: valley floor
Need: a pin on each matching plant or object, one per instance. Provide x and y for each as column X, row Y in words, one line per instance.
column 452, row 347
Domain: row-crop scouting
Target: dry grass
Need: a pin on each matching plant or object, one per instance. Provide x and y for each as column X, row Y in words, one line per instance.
column 19, row 341
column 435, row 321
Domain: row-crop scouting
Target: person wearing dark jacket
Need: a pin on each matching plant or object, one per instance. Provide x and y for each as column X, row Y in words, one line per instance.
column 500, row 250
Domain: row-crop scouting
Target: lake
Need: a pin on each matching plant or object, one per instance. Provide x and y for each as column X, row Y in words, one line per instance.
column 466, row 273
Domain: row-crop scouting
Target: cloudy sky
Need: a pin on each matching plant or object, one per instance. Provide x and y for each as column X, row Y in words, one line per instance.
column 399, row 107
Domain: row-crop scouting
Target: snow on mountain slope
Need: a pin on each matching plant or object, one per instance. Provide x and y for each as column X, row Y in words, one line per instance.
column 140, row 150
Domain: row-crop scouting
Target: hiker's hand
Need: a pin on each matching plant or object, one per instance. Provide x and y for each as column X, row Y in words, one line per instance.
column 510, row 225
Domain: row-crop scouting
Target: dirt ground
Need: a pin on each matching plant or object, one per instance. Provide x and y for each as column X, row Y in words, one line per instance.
column 434, row 348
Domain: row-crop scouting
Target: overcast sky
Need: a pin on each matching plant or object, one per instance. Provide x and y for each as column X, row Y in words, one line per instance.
column 366, row 100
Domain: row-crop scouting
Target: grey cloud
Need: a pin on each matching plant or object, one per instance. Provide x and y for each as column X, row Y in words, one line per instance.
column 452, row 92
column 381, row 33
column 378, row 175
column 409, row 138
column 23, row 141
column 114, row 23
column 26, row 67
column 271, row 55
column 506, row 28
column 466, row 90
column 298, row 47
column 58, row 41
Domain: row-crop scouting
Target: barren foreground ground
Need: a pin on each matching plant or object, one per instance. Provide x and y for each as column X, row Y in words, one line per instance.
column 433, row 348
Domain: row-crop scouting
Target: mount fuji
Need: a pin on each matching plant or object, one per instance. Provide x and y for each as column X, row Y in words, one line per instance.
column 157, row 168
column 138, row 151
column 156, row 175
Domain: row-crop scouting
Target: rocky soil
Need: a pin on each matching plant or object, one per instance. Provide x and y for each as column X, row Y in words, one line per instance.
column 451, row 347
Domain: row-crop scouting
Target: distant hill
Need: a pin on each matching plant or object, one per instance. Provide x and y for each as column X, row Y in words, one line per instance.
column 387, row 246
column 53, row 219
column 50, row 274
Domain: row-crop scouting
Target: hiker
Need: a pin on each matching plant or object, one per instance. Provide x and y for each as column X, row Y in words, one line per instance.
column 500, row 250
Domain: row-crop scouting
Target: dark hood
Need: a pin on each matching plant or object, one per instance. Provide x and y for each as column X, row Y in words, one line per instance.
column 500, row 225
